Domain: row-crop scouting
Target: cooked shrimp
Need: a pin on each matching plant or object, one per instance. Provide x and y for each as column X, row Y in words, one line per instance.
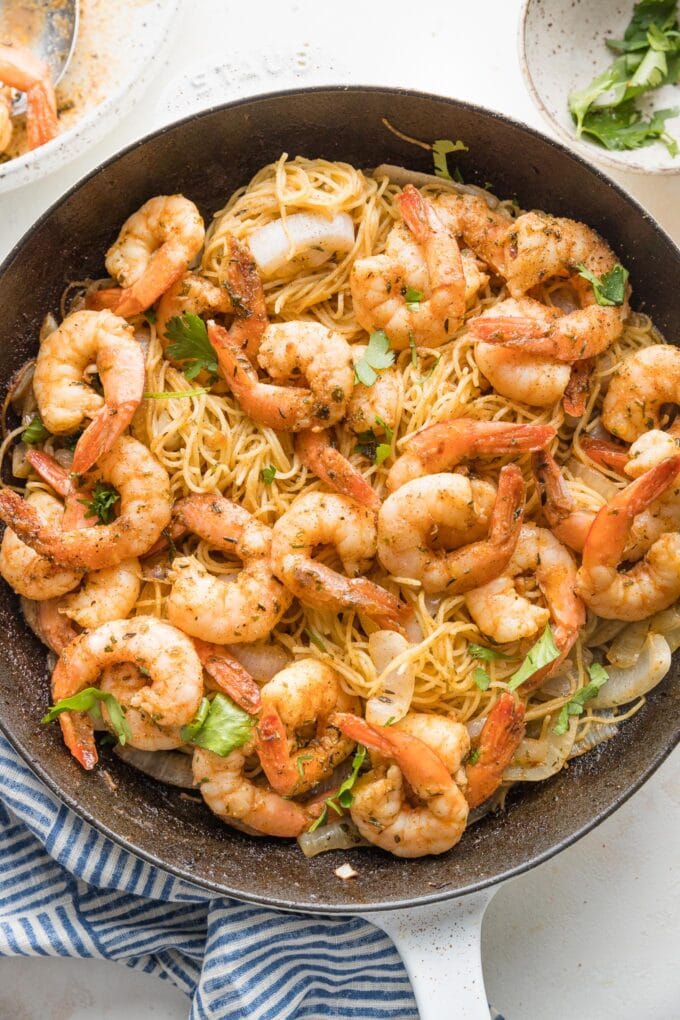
column 239, row 277
column 175, row 677
column 52, row 627
column 318, row 455
column 380, row 808
column 528, row 378
column 290, row 352
column 228, row 675
column 653, row 583
column 454, row 510
column 450, row 739
column 483, row 229
column 374, row 408
column 643, row 383
column 144, row 490
column 23, row 70
column 105, row 595
column 501, row 735
column 190, row 295
column 568, row 521
column 65, row 398
column 124, row 680
column 245, row 609
column 317, row 518
column 441, row 446
column 501, row 612
column 240, row 801
column 300, row 697
column 30, row 574
column 154, row 248
column 423, row 260
column 606, row 453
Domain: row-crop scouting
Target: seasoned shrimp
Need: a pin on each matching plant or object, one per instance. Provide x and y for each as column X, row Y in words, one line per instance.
column 63, row 395
column 290, row 352
column 422, row 260
column 175, row 677
column 454, row 511
column 238, row 275
column 374, row 408
column 144, row 490
column 298, row 698
column 653, row 583
column 190, row 295
column 441, row 446
column 108, row 594
column 23, row 70
column 317, row 518
column 528, row 378
column 154, row 248
column 317, row 453
column 381, row 809
column 124, row 680
column 568, row 521
column 644, row 382
column 501, row 735
column 500, row 611
column 242, row 802
column 30, row 574
column 245, row 609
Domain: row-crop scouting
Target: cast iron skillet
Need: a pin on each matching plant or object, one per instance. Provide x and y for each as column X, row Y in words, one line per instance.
column 206, row 157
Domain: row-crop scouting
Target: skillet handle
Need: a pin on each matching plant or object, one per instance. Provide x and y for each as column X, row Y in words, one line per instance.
column 440, row 947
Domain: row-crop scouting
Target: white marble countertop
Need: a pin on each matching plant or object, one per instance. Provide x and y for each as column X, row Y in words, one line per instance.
column 594, row 932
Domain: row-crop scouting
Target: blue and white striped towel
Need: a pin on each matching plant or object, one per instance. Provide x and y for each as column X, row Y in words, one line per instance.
column 65, row 890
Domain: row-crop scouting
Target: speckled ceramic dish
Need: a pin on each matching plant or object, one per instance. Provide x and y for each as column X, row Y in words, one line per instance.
column 562, row 48
column 118, row 51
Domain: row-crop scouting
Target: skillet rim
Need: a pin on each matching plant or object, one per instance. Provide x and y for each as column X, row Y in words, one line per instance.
column 317, row 907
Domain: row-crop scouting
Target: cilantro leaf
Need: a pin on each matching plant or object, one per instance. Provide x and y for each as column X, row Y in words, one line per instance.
column 343, row 796
column 369, row 446
column 101, row 502
column 220, row 728
column 480, row 652
column 413, row 298
column 610, row 288
column 598, row 678
column 389, row 433
column 543, row 652
column 268, row 474
column 377, row 356
column 580, row 102
column 35, row 432
column 625, row 128
column 88, row 700
column 191, row 345
column 440, row 148
column 481, row 678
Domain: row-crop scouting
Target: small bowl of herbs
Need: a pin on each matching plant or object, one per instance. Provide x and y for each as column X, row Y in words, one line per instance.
column 606, row 75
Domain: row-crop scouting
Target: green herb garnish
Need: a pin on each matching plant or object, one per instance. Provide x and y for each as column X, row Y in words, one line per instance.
column 487, row 654
column 343, row 797
column 481, row 678
column 268, row 474
column 219, row 725
column 369, row 446
column 413, row 298
column 543, row 652
column 598, row 678
column 191, row 345
column 35, row 432
column 473, row 756
column 610, row 288
column 440, row 149
column 377, row 356
column 88, row 700
column 101, row 503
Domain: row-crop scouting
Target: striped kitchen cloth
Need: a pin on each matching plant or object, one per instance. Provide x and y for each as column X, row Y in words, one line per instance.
column 66, row 890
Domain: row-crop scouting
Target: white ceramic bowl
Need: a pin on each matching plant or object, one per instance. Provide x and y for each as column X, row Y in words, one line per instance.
column 143, row 35
column 562, row 48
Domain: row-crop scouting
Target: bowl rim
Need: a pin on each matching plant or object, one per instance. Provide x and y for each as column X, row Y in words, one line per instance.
column 319, row 907
column 587, row 150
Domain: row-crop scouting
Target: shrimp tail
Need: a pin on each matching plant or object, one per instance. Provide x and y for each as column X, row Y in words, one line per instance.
column 50, row 471
column 505, row 329
column 101, row 434
column 41, row 114
column 229, row 675
column 420, row 764
column 272, row 750
column 78, row 734
column 578, row 388
column 318, row 455
column 500, row 737
column 25, row 521
column 610, row 455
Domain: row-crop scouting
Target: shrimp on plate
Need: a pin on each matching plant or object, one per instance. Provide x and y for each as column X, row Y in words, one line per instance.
column 30, row 574
column 302, row 697
column 642, row 385
column 124, row 680
column 374, row 408
column 453, row 511
column 315, row 519
column 416, row 290
column 64, row 396
column 24, row 71
column 503, row 613
column 242, row 610
column 155, row 246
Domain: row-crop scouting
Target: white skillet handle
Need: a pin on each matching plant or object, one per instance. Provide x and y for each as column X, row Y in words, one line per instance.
column 440, row 947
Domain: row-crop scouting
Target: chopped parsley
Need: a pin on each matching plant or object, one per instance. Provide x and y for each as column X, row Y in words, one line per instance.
column 598, row 678
column 191, row 345
column 541, row 654
column 268, row 474
column 343, row 797
column 610, row 288
column 481, row 678
column 487, row 654
column 35, row 432
column 102, row 500
column 219, row 725
column 88, row 701
column 377, row 356
column 440, row 149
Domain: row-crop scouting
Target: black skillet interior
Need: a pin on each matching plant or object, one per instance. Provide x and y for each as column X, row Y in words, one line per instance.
column 206, row 157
